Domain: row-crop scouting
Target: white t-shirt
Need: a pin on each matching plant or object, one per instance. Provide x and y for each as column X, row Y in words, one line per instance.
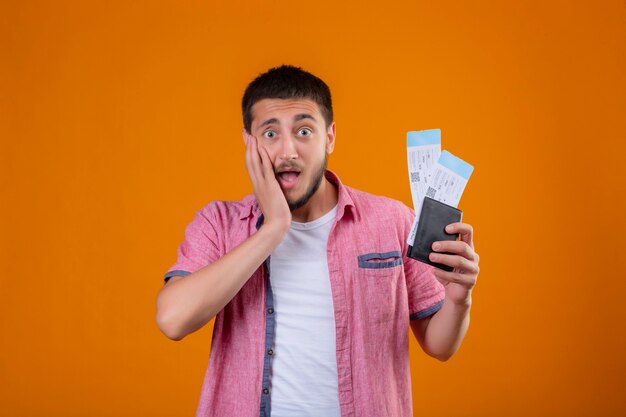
column 304, row 362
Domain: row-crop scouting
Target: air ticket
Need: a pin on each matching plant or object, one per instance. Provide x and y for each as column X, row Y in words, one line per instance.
column 423, row 149
column 447, row 181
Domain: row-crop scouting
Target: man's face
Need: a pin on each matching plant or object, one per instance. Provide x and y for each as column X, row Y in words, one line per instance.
column 296, row 138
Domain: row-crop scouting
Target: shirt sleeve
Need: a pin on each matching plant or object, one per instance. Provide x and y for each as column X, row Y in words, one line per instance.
column 424, row 291
column 199, row 248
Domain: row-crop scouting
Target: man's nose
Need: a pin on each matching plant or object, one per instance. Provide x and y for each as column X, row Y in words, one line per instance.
column 287, row 148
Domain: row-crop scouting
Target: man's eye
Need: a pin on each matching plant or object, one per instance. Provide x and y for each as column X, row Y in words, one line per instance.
column 305, row 131
column 270, row 134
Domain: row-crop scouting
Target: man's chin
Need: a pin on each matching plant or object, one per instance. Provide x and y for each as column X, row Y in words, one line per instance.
column 295, row 203
column 311, row 189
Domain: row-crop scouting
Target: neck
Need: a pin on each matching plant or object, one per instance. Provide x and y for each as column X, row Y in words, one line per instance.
column 324, row 199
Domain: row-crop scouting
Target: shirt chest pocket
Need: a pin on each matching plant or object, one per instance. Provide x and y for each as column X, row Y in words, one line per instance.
column 376, row 281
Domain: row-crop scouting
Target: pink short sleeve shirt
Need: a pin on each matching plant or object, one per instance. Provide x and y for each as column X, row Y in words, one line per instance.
column 376, row 290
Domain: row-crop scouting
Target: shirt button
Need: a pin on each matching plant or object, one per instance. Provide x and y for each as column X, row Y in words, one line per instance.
column 266, row 391
column 270, row 310
column 270, row 352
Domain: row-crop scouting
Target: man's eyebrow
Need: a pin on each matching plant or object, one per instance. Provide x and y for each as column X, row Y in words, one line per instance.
column 303, row 116
column 269, row 122
column 296, row 118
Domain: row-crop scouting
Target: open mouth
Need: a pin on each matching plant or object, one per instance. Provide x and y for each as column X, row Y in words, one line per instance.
column 288, row 179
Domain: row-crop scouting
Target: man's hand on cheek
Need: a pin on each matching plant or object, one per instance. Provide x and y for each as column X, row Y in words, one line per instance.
column 266, row 189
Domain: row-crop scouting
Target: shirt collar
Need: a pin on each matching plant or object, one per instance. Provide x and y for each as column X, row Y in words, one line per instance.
column 250, row 207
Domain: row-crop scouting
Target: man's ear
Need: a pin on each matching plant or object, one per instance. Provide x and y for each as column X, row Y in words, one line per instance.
column 330, row 138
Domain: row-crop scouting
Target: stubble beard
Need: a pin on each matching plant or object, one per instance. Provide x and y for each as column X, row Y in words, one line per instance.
column 313, row 187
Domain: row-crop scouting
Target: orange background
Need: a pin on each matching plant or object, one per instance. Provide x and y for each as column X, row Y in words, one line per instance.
column 120, row 119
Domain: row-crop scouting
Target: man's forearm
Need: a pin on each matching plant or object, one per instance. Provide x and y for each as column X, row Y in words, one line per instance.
column 185, row 305
column 446, row 329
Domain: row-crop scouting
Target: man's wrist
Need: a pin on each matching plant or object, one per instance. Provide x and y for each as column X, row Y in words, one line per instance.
column 276, row 228
column 464, row 304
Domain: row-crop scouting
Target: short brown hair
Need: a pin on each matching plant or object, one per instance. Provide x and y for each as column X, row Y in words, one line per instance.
column 286, row 82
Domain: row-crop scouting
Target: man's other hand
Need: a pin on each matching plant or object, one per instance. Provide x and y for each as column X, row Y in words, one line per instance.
column 461, row 280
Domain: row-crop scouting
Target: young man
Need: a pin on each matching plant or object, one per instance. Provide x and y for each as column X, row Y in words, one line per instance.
column 307, row 279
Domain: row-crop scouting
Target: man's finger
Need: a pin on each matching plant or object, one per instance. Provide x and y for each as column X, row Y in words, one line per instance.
column 468, row 281
column 464, row 229
column 249, row 167
column 455, row 261
column 268, row 168
column 255, row 159
column 248, row 160
column 457, row 247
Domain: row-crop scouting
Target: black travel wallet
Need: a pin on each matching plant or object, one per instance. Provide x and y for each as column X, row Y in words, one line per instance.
column 435, row 216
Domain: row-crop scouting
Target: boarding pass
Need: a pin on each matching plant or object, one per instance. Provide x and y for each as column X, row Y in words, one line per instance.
column 432, row 173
